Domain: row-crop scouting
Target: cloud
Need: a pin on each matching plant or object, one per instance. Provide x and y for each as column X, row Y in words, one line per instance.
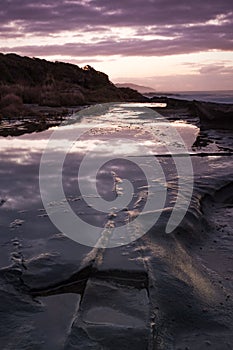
column 189, row 43
column 216, row 69
column 62, row 14
column 186, row 82
column 157, row 27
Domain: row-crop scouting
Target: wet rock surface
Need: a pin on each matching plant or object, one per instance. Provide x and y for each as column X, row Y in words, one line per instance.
column 111, row 316
column 162, row 291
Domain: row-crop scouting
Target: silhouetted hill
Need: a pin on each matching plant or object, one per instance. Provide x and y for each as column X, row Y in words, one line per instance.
column 25, row 80
column 141, row 89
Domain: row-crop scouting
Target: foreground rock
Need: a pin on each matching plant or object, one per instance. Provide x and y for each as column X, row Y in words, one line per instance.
column 18, row 128
column 163, row 291
column 111, row 317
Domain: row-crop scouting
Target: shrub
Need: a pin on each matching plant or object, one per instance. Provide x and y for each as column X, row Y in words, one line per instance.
column 11, row 99
column 11, row 106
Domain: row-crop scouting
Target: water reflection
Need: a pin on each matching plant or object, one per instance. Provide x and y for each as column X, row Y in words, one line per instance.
column 112, row 133
column 20, row 157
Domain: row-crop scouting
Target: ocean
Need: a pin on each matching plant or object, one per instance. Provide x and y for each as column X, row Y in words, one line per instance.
column 222, row 96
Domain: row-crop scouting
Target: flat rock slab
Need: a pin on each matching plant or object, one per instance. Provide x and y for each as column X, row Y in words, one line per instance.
column 111, row 317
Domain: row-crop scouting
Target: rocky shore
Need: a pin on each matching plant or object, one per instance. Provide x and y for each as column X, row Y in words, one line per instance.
column 204, row 114
column 210, row 115
column 162, row 291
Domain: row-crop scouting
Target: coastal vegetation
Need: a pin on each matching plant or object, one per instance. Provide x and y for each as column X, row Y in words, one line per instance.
column 26, row 83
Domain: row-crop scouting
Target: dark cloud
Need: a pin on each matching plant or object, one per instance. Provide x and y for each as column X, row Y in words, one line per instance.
column 186, row 21
column 216, row 69
column 61, row 15
column 131, row 47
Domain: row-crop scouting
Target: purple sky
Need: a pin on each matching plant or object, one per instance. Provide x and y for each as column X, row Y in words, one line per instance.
column 150, row 42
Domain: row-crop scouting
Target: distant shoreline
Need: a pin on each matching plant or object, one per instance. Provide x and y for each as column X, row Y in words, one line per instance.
column 221, row 96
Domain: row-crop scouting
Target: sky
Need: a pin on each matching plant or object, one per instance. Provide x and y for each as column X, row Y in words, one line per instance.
column 169, row 45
